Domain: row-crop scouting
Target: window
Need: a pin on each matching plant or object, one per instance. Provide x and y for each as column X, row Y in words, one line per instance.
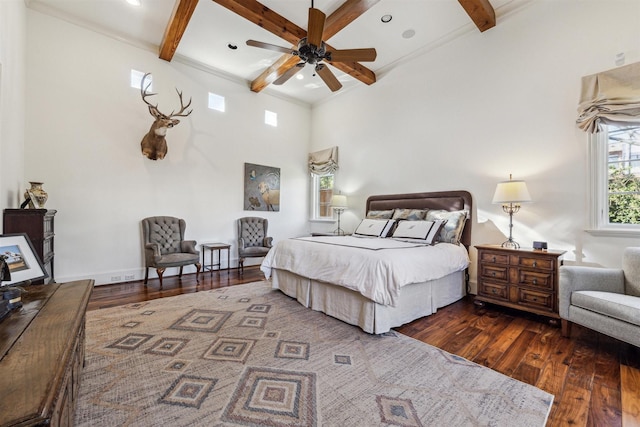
column 271, row 118
column 321, row 193
column 615, row 178
column 216, row 102
column 136, row 80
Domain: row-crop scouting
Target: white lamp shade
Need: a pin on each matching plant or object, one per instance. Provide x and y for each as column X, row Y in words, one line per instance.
column 511, row 192
column 339, row 201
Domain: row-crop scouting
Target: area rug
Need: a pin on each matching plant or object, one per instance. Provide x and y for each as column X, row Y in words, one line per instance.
column 249, row 355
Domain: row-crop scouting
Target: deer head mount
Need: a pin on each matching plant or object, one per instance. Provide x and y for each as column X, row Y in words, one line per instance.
column 154, row 145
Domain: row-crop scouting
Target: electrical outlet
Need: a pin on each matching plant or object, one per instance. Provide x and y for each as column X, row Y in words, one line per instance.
column 116, row 278
column 129, row 277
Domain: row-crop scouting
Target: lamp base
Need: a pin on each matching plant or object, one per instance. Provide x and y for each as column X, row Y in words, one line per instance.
column 511, row 244
column 338, row 232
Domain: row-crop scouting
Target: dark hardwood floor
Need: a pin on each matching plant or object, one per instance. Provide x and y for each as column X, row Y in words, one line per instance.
column 595, row 379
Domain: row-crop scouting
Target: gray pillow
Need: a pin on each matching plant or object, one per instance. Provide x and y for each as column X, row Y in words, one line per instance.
column 380, row 214
column 452, row 230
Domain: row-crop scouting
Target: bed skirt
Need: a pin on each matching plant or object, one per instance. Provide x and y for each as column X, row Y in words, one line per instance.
column 415, row 300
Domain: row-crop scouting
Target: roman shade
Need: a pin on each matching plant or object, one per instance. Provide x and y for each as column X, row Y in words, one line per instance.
column 324, row 162
column 610, row 97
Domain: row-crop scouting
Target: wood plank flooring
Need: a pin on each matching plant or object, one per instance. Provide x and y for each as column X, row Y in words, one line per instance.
column 595, row 379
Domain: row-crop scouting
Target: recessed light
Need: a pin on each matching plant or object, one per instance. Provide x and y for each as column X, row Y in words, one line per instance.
column 232, row 46
column 134, row 2
column 299, row 76
column 386, row 18
column 408, row 34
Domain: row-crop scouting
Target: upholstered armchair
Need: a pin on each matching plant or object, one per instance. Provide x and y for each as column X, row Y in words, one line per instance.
column 606, row 300
column 164, row 246
column 252, row 239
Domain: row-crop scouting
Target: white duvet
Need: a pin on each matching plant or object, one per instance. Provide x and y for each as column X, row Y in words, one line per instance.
column 376, row 268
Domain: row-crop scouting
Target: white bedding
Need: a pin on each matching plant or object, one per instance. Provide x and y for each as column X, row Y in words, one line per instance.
column 376, row 268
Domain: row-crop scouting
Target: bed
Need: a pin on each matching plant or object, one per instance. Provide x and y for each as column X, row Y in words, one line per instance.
column 341, row 286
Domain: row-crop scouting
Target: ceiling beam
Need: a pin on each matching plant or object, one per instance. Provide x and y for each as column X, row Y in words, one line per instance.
column 272, row 73
column 176, row 27
column 481, row 13
column 343, row 16
column 266, row 18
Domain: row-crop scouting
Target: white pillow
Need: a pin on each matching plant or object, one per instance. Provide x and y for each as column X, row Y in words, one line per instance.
column 424, row 231
column 374, row 227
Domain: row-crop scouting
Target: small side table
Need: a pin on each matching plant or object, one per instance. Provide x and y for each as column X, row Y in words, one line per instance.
column 212, row 247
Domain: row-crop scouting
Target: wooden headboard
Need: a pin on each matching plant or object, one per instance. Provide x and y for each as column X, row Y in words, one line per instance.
column 447, row 200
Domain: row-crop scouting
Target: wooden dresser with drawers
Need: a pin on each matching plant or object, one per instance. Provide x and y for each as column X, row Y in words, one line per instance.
column 524, row 278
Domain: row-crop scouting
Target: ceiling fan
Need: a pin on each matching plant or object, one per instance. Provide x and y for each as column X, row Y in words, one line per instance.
column 312, row 50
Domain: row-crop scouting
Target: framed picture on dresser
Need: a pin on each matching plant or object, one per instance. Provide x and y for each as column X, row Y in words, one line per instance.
column 21, row 258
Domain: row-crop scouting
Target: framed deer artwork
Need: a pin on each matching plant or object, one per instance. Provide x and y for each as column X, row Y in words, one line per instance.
column 261, row 188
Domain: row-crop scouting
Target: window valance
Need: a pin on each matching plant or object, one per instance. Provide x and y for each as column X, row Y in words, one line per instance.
column 324, row 162
column 610, row 97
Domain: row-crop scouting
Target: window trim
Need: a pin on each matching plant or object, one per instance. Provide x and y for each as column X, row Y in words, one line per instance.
column 598, row 155
column 314, row 180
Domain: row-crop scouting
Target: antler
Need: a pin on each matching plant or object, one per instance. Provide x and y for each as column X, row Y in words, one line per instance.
column 153, row 109
column 182, row 107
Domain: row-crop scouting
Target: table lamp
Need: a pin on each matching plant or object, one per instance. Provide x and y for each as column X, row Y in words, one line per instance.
column 510, row 194
column 339, row 204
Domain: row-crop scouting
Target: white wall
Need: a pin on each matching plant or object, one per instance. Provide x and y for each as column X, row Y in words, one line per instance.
column 12, row 100
column 84, row 127
column 469, row 113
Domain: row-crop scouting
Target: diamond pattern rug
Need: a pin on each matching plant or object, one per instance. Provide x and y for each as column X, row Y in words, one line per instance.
column 249, row 355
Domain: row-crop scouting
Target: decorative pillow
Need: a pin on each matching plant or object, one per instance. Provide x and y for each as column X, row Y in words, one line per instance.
column 410, row 214
column 452, row 230
column 374, row 227
column 380, row 214
column 418, row 231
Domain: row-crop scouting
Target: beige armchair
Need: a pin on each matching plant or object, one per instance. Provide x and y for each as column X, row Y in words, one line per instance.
column 606, row 300
column 164, row 246
column 252, row 239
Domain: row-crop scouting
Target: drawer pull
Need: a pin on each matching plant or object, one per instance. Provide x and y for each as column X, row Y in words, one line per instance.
column 493, row 273
column 534, row 281
column 535, row 299
column 494, row 259
column 494, row 291
column 535, row 263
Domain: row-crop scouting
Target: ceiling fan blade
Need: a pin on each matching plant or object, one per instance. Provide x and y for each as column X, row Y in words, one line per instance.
column 289, row 73
column 328, row 77
column 352, row 55
column 270, row 46
column 315, row 27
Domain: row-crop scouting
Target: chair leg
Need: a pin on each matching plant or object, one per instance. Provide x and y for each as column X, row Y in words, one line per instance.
column 180, row 274
column 241, row 265
column 160, row 272
column 146, row 276
column 566, row 328
column 198, row 268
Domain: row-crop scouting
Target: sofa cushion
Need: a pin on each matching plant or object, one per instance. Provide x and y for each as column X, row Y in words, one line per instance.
column 631, row 268
column 622, row 307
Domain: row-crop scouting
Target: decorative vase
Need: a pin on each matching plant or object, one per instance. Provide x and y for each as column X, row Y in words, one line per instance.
column 37, row 195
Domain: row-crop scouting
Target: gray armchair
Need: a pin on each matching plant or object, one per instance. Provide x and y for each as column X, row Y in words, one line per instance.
column 252, row 239
column 164, row 246
column 606, row 300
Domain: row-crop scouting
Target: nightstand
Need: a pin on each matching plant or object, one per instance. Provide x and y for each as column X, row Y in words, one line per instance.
column 524, row 279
